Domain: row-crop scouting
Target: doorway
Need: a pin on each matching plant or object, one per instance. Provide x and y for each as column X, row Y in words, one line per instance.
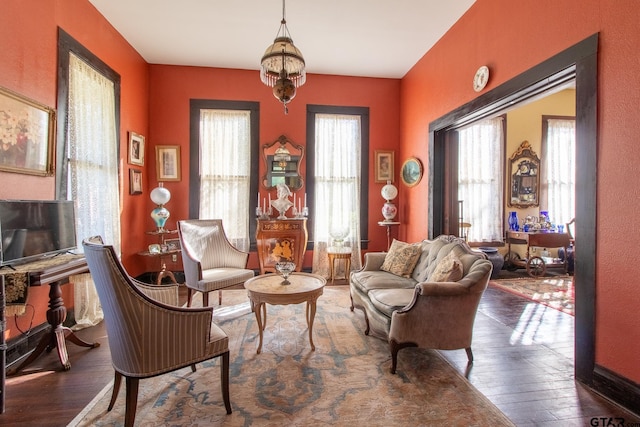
column 578, row 62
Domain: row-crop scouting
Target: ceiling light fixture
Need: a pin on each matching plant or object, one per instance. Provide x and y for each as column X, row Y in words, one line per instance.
column 282, row 65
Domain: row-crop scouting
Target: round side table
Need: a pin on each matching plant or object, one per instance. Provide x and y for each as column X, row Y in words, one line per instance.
column 337, row 253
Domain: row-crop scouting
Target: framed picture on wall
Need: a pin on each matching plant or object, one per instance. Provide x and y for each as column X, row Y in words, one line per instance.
column 27, row 131
column 136, row 149
column 168, row 162
column 135, row 181
column 383, row 166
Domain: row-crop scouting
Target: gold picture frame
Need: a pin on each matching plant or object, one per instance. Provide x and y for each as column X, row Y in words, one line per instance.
column 27, row 131
column 135, row 181
column 172, row 245
column 136, row 149
column 168, row 162
column 384, row 166
column 411, row 172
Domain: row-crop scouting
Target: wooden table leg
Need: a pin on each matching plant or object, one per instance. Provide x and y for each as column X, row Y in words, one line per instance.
column 311, row 314
column 57, row 336
column 260, row 310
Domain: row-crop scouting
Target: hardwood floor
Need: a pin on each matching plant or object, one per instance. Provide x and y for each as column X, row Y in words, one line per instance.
column 523, row 364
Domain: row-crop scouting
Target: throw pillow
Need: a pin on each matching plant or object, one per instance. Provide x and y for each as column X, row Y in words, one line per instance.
column 449, row 269
column 402, row 258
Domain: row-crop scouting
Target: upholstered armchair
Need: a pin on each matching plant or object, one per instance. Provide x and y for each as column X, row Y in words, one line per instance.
column 210, row 262
column 148, row 333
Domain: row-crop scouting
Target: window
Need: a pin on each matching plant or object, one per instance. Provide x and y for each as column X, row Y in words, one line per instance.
column 338, row 155
column 87, row 170
column 559, row 171
column 87, row 157
column 480, row 170
column 223, row 153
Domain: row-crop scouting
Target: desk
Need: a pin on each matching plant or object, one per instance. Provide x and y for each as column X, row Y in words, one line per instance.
column 337, row 253
column 53, row 272
column 268, row 289
column 281, row 240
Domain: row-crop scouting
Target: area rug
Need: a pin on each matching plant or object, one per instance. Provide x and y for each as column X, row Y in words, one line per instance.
column 555, row 292
column 345, row 381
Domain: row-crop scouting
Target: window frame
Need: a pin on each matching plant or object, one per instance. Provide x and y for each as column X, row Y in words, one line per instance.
column 195, row 105
column 363, row 112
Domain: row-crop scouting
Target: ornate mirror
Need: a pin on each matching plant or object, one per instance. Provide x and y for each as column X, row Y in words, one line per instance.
column 524, row 177
column 282, row 159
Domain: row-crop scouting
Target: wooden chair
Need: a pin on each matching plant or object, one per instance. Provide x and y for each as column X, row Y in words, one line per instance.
column 148, row 334
column 210, row 262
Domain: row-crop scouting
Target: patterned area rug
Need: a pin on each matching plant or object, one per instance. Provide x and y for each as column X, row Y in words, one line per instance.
column 555, row 292
column 346, row 381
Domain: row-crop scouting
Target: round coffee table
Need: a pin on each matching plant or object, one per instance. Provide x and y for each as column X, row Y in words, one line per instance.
column 268, row 289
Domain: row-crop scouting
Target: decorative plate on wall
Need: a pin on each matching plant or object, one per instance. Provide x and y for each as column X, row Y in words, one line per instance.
column 411, row 171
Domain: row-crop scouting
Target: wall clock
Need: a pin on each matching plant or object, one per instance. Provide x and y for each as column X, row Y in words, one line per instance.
column 481, row 78
column 411, row 173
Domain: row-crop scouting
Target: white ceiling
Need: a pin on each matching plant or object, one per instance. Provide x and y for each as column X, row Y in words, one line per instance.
column 372, row 38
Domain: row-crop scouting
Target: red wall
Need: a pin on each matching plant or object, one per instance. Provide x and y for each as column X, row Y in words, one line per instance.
column 511, row 37
column 174, row 86
column 28, row 42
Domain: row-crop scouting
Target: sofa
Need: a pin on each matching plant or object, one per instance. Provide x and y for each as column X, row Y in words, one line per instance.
column 424, row 294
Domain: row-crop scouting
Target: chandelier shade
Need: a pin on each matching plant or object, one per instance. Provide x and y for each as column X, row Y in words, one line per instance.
column 282, row 66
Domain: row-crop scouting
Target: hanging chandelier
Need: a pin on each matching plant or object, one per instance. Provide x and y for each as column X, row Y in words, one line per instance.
column 282, row 65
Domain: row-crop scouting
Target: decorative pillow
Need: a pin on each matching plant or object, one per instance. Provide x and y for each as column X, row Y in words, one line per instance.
column 449, row 269
column 402, row 258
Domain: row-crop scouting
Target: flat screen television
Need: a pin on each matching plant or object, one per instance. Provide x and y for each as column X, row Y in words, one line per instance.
column 33, row 229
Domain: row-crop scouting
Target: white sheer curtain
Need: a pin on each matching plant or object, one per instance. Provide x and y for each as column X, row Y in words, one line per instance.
column 93, row 171
column 225, row 171
column 337, row 186
column 480, row 166
column 560, row 171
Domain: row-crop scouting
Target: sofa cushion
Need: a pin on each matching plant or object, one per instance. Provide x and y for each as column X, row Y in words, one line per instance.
column 402, row 258
column 366, row 281
column 448, row 269
column 389, row 300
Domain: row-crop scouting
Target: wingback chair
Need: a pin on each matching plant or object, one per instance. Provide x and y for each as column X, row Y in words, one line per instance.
column 210, row 262
column 148, row 333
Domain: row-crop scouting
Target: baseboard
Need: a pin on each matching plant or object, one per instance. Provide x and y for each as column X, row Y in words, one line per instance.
column 616, row 388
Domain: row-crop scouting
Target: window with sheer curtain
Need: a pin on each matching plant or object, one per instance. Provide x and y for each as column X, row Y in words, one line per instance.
column 88, row 159
column 480, row 170
column 559, row 171
column 225, row 171
column 337, row 186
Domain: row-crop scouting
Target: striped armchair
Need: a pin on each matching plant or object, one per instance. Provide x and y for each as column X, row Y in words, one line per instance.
column 148, row 333
column 210, row 262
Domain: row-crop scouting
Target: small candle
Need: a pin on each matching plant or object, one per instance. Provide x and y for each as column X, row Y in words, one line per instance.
column 305, row 200
column 269, row 200
column 294, row 199
column 264, row 200
column 258, row 199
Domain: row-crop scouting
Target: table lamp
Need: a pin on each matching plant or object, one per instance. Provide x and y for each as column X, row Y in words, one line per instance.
column 160, row 196
column 389, row 210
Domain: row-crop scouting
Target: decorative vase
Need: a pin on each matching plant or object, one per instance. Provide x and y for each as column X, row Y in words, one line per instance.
column 160, row 215
column 513, row 221
column 389, row 211
column 496, row 259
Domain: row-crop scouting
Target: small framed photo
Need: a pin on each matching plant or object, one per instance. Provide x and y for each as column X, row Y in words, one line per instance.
column 168, row 162
column 135, row 181
column 384, row 166
column 172, row 244
column 154, row 249
column 136, row 149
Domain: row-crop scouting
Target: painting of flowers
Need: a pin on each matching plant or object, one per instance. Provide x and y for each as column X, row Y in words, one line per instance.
column 26, row 135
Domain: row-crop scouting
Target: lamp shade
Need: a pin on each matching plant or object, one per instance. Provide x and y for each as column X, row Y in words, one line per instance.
column 160, row 195
column 389, row 192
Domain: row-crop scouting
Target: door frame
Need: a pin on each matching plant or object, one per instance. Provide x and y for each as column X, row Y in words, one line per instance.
column 579, row 62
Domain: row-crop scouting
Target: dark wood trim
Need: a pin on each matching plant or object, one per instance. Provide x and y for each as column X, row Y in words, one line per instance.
column 579, row 62
column 617, row 388
column 67, row 45
column 363, row 112
column 195, row 105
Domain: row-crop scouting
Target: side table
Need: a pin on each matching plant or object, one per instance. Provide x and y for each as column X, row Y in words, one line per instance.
column 337, row 253
column 388, row 224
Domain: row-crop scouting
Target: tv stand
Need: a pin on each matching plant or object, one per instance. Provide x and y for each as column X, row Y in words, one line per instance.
column 55, row 272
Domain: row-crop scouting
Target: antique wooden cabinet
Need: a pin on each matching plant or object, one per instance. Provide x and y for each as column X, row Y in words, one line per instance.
column 281, row 240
